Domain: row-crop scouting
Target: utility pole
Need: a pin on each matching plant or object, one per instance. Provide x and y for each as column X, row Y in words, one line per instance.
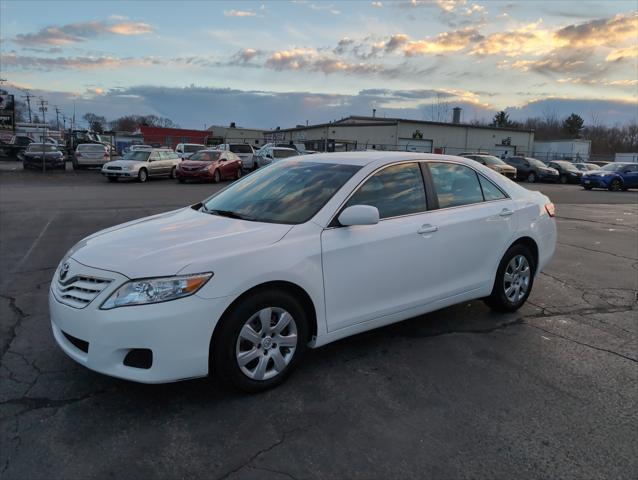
column 28, row 96
column 43, row 109
column 57, row 116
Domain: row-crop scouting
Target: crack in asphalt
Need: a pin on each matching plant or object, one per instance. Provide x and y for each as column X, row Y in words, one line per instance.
column 14, row 328
column 247, row 464
column 596, row 251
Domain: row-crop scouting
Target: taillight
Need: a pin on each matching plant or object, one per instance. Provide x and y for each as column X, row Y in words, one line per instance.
column 550, row 209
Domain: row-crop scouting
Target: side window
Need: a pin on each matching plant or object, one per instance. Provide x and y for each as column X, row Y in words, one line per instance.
column 395, row 190
column 455, row 185
column 154, row 157
column 490, row 191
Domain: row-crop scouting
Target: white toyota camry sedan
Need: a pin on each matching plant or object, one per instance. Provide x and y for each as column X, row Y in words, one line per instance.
column 299, row 254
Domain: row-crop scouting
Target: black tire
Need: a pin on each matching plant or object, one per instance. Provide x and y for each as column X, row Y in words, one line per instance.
column 238, row 174
column 112, row 179
column 563, row 179
column 531, row 177
column 615, row 185
column 223, row 362
column 142, row 175
column 181, row 180
column 587, row 187
column 173, row 173
column 75, row 165
column 217, row 177
column 498, row 299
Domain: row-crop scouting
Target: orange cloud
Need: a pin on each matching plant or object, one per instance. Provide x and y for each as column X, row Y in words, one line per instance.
column 629, row 52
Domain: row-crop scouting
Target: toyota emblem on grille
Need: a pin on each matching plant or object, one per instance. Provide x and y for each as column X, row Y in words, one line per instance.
column 64, row 270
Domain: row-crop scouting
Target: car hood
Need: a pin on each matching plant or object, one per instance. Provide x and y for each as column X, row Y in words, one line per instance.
column 164, row 244
column 124, row 163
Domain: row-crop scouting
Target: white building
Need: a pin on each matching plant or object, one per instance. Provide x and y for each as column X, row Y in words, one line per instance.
column 570, row 149
column 626, row 157
column 357, row 132
column 234, row 134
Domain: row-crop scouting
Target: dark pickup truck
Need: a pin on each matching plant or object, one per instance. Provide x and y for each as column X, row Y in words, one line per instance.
column 13, row 148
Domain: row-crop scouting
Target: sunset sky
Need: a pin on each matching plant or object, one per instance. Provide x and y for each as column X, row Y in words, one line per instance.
column 264, row 64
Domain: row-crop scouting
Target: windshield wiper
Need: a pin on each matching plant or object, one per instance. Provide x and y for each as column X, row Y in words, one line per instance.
column 225, row 213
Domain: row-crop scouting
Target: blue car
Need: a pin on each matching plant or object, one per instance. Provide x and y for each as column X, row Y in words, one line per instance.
column 613, row 176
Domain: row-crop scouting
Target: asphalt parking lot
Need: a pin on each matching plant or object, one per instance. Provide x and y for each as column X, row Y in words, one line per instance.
column 547, row 392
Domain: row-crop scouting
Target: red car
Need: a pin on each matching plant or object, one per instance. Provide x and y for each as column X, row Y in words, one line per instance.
column 215, row 165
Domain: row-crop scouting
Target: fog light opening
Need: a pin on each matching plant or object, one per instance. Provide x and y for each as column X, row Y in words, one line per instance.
column 139, row 358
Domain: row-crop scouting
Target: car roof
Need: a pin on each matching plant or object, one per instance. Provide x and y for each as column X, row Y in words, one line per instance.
column 372, row 156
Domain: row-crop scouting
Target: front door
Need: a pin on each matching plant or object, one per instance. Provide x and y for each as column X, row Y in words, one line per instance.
column 376, row 270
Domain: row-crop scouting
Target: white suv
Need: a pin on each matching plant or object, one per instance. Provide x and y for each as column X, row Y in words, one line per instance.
column 185, row 150
column 244, row 151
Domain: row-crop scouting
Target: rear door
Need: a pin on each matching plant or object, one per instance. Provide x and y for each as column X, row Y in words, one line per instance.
column 154, row 163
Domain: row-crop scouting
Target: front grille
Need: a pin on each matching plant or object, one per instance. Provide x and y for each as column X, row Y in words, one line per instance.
column 78, row 291
column 190, row 169
column 114, row 168
column 77, row 343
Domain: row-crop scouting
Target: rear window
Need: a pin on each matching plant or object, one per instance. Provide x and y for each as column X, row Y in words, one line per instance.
column 193, row 148
column 241, row 148
column 38, row 147
column 283, row 153
column 91, row 147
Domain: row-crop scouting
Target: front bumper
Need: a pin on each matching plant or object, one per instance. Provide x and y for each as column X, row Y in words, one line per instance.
column 548, row 177
column 194, row 175
column 177, row 332
column 596, row 182
column 119, row 173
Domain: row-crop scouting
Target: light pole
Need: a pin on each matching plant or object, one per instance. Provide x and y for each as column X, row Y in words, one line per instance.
column 43, row 109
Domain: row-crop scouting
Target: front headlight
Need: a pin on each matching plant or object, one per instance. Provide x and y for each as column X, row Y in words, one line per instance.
column 155, row 290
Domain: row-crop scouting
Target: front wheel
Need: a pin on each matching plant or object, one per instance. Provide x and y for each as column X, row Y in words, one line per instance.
column 217, row 177
column 514, row 280
column 238, row 174
column 563, row 179
column 142, row 175
column 531, row 177
column 615, row 185
column 260, row 341
column 173, row 174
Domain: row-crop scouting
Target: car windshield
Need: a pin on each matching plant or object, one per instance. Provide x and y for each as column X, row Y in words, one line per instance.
column 490, row 160
column 536, row 163
column 290, row 192
column 39, row 147
column 241, row 149
column 613, row 167
column 206, row 156
column 283, row 153
column 137, row 156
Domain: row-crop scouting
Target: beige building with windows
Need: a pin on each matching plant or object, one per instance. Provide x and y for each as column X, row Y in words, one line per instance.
column 358, row 133
column 234, row 134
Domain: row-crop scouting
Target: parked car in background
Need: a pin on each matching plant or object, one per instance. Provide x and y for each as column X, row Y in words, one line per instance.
column 300, row 254
column 613, row 176
column 586, row 167
column 90, row 155
column 532, row 169
column 32, row 157
column 15, row 146
column 495, row 163
column 568, row 173
column 140, row 165
column 135, row 148
column 210, row 165
column 244, row 151
column 185, row 150
column 269, row 155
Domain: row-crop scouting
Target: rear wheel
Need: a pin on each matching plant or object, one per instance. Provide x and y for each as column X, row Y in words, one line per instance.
column 238, row 174
column 112, row 179
column 531, row 177
column 142, row 175
column 260, row 341
column 615, row 185
column 514, row 280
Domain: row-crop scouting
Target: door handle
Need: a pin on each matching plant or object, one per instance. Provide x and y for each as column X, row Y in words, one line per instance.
column 506, row 212
column 427, row 228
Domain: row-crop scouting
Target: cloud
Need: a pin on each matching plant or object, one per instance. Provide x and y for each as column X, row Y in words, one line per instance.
column 310, row 59
column 444, row 42
column 79, row 32
column 319, row 7
column 622, row 53
column 604, row 31
column 376, row 5
column 239, row 13
column 12, row 61
column 246, row 55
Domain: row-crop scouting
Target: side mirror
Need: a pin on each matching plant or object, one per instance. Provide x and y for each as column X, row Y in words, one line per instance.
column 359, row 215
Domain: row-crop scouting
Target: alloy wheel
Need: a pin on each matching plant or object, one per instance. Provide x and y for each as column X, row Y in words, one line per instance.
column 516, row 278
column 615, row 185
column 531, row 178
column 266, row 343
